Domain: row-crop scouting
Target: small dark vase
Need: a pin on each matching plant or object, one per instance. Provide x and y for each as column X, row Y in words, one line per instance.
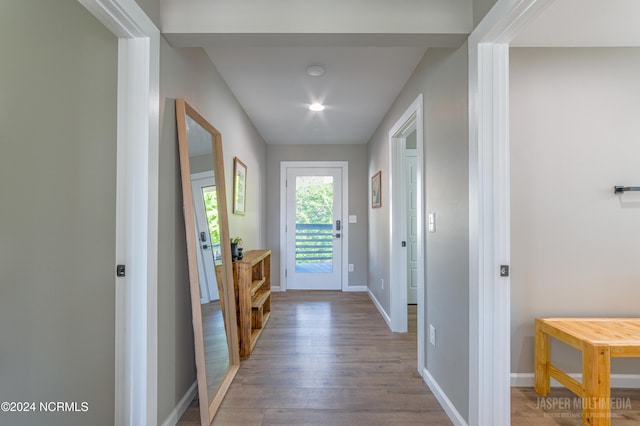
column 240, row 255
column 234, row 252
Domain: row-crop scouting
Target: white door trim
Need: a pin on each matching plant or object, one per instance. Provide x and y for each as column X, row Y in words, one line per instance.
column 489, row 209
column 136, row 354
column 284, row 165
column 397, row 208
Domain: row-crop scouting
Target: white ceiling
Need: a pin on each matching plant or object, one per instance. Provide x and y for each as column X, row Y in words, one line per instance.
column 369, row 49
column 357, row 88
column 584, row 23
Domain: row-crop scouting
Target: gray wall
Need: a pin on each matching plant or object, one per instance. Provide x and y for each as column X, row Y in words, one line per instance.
column 57, row 215
column 574, row 135
column 441, row 77
column 480, row 9
column 356, row 156
column 152, row 9
column 189, row 74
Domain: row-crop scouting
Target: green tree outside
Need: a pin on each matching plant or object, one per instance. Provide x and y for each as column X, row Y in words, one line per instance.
column 314, row 202
column 314, row 206
column 211, row 207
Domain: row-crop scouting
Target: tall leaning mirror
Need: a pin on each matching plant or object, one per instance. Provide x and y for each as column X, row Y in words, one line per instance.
column 209, row 256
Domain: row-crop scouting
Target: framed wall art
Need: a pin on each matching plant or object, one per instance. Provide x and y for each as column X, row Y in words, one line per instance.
column 376, row 190
column 239, row 186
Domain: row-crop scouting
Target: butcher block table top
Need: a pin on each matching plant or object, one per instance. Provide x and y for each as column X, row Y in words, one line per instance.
column 598, row 331
column 599, row 339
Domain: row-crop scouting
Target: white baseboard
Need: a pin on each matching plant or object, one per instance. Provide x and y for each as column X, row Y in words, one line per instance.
column 355, row 288
column 183, row 404
column 628, row 381
column 442, row 398
column 386, row 317
column 346, row 288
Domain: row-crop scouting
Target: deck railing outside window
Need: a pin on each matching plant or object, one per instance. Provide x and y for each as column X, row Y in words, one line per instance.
column 314, row 247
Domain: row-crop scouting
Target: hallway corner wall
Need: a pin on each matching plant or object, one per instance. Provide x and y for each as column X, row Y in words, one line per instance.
column 442, row 78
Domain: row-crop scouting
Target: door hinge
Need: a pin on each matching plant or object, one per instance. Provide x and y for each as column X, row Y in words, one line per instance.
column 285, row 273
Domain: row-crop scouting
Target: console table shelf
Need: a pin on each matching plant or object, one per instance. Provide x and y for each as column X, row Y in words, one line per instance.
column 252, row 287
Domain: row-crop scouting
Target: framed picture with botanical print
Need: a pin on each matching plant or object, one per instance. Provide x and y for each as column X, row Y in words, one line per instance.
column 376, row 190
column 239, row 186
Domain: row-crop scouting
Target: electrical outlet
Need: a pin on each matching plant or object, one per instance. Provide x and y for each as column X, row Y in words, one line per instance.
column 432, row 334
column 351, row 267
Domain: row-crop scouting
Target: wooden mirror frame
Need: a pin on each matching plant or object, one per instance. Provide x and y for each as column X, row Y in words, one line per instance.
column 209, row 404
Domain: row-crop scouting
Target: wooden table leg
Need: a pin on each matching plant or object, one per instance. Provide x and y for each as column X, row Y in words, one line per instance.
column 542, row 343
column 596, row 369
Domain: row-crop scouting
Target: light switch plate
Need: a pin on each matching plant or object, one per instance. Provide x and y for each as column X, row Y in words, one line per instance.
column 432, row 222
column 353, row 218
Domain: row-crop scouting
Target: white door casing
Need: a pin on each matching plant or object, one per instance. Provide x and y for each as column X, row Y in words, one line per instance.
column 412, row 117
column 136, row 357
column 489, row 209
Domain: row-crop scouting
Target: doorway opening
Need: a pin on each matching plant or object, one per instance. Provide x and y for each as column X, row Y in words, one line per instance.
column 406, row 222
column 313, row 232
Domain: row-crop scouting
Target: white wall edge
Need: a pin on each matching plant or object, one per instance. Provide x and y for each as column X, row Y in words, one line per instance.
column 276, row 288
column 450, row 409
column 624, row 381
column 355, row 288
column 183, row 404
column 489, row 209
column 138, row 122
column 386, row 316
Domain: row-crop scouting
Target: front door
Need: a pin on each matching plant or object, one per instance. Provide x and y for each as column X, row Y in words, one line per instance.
column 314, row 228
column 206, row 217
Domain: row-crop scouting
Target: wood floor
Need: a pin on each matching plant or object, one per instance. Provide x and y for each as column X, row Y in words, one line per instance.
column 328, row 358
column 215, row 344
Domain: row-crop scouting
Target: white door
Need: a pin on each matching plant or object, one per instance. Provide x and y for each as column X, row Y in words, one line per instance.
column 205, row 210
column 412, row 224
column 314, row 228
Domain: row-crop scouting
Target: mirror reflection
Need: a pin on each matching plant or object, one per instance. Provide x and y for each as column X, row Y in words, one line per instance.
column 207, row 228
column 208, row 249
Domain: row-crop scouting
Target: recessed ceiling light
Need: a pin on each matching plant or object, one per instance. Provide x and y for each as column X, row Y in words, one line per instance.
column 316, row 107
column 315, row 70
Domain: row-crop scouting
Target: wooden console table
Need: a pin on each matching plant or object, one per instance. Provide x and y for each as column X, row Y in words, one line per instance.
column 599, row 339
column 252, row 288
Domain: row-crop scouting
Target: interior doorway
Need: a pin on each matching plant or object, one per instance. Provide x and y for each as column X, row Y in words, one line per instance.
column 406, row 146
